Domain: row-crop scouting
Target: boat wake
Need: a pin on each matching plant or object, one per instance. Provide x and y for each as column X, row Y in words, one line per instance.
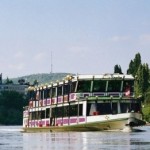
column 11, row 130
column 129, row 129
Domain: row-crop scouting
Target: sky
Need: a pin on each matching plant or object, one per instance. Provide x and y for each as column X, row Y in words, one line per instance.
column 83, row 36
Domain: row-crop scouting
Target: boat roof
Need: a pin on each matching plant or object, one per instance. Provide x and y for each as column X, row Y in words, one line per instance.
column 74, row 78
column 105, row 76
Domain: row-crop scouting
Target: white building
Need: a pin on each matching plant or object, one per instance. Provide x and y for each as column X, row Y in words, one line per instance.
column 13, row 87
column 21, row 88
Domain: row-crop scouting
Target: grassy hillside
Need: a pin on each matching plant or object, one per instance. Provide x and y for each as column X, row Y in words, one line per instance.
column 41, row 78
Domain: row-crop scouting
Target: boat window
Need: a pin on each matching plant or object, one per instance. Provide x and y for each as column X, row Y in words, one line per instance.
column 36, row 115
column 45, row 93
column 93, row 109
column 99, row 86
column 47, row 113
column 74, row 110
column 128, row 85
column 37, row 95
column 31, row 94
column 34, row 95
column 80, row 109
column 114, row 86
column 59, row 112
column 114, row 108
column 30, row 116
column 72, row 87
column 104, row 108
column 33, row 115
column 43, row 114
column 66, row 111
column 84, row 86
column 59, row 90
column 98, row 108
column 39, row 115
column 41, row 94
column 53, row 112
column 66, row 89
column 54, row 92
column 125, row 107
column 88, row 109
column 48, row 93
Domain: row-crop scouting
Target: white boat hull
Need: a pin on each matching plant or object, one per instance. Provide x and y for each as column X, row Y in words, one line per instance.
column 95, row 123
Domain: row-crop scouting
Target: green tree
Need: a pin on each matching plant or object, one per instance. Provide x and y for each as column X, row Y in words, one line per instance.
column 35, row 83
column 131, row 67
column 21, row 81
column 134, row 65
column 139, row 82
column 146, row 76
column 142, row 80
column 8, row 81
column 11, row 107
column 117, row 69
column 147, row 96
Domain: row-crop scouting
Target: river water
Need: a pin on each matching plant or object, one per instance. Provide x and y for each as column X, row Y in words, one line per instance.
column 11, row 138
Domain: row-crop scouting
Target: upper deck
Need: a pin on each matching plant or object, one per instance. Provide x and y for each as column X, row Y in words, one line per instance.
column 103, row 85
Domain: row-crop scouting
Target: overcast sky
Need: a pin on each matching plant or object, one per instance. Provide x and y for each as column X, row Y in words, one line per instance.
column 84, row 36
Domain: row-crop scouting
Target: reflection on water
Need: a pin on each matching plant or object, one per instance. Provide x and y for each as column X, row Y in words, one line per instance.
column 87, row 140
column 12, row 139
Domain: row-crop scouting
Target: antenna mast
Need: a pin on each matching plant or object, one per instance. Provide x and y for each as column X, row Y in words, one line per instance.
column 51, row 63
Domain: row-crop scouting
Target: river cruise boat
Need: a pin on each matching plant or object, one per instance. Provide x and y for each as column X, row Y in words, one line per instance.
column 83, row 103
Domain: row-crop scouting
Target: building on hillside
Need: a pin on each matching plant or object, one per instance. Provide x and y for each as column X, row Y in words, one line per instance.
column 13, row 87
column 21, row 88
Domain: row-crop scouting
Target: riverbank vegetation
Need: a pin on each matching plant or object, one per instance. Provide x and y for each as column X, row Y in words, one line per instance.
column 11, row 107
